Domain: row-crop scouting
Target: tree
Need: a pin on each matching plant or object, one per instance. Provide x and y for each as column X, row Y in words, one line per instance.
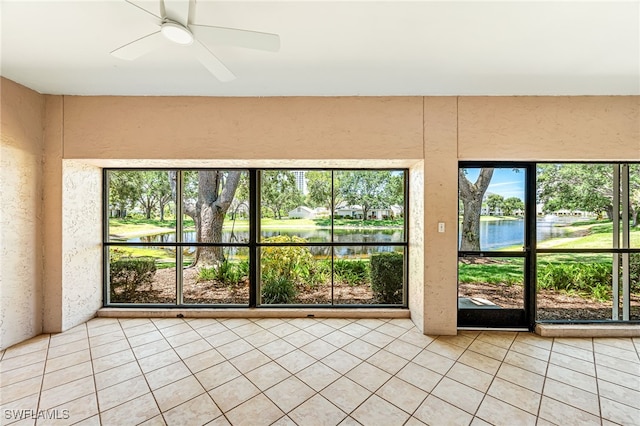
column 471, row 195
column 396, row 188
column 634, row 193
column 215, row 192
column 240, row 203
column 587, row 187
column 319, row 188
column 155, row 191
column 165, row 193
column 367, row 188
column 279, row 191
column 495, row 202
column 124, row 190
column 511, row 204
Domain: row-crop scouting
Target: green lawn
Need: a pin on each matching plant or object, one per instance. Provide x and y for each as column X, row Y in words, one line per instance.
column 163, row 258
column 590, row 235
column 583, row 235
column 130, row 227
column 138, row 227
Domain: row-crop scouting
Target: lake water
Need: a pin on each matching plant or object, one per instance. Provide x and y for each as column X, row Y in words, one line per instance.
column 493, row 235
column 381, row 236
column 504, row 233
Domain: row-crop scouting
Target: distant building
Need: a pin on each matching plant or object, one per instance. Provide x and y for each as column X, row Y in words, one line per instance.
column 301, row 180
column 356, row 212
column 302, row 212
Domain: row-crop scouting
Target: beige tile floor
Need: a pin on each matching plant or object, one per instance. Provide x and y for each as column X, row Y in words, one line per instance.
column 314, row 372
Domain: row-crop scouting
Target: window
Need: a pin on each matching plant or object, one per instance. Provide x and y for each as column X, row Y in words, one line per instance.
column 588, row 268
column 548, row 242
column 213, row 237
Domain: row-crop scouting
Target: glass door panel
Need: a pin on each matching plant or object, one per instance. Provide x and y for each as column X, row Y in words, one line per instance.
column 493, row 238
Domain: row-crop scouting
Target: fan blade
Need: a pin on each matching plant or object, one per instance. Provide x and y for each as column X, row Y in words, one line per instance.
column 157, row 20
column 177, row 10
column 139, row 47
column 236, row 37
column 212, row 63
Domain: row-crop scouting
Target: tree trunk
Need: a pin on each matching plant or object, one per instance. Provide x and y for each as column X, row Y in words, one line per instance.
column 471, row 195
column 215, row 193
column 211, row 221
column 609, row 212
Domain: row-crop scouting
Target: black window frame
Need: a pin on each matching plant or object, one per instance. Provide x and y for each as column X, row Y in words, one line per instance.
column 529, row 318
column 253, row 245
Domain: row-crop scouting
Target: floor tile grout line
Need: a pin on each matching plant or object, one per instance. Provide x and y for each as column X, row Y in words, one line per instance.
column 430, row 393
column 93, row 379
column 143, row 376
column 548, row 363
column 564, row 403
column 604, row 341
column 544, row 382
column 206, row 392
column 44, row 373
column 341, row 375
column 593, row 344
column 485, row 393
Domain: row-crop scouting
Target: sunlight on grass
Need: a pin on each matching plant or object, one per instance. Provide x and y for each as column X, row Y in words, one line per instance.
column 494, row 271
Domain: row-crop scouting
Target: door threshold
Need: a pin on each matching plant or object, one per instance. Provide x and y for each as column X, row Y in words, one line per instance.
column 512, row 329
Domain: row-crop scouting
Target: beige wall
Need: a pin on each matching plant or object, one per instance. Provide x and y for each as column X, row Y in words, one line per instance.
column 549, row 128
column 81, row 243
column 21, row 148
column 427, row 135
column 242, row 128
column 440, row 206
column 52, row 223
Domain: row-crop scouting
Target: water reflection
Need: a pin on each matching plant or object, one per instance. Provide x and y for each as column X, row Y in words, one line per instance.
column 498, row 234
column 311, row 235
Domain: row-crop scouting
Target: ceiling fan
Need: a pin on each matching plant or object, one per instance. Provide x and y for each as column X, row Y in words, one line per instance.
column 176, row 25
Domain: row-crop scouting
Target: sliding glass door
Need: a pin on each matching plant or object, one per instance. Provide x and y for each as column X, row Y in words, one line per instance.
column 494, row 240
column 591, row 270
column 548, row 242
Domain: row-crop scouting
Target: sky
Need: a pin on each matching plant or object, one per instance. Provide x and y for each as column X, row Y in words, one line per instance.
column 507, row 182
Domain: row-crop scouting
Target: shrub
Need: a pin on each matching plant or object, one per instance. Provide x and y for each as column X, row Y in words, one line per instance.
column 591, row 279
column 634, row 272
column 229, row 273
column 128, row 273
column 352, row 272
column 278, row 289
column 206, row 274
column 317, row 273
column 387, row 277
column 292, row 262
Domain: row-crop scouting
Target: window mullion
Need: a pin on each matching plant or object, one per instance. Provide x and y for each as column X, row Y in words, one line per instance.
column 254, row 224
column 178, row 239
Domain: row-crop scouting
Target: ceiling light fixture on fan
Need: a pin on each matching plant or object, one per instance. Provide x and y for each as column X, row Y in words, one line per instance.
column 175, row 25
column 176, row 33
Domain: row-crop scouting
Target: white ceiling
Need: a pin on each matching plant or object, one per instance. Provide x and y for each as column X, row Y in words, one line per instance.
column 335, row 48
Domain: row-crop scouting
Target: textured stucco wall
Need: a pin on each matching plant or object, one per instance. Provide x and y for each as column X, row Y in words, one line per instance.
column 117, row 131
column 416, row 244
column 81, row 242
column 549, row 128
column 440, row 205
column 243, row 128
column 52, row 219
column 21, row 213
column 428, row 135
